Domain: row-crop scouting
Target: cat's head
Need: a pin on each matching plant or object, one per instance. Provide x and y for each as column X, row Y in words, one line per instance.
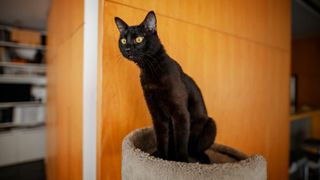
column 140, row 41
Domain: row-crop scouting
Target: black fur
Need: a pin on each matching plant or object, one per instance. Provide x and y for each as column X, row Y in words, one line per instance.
column 182, row 125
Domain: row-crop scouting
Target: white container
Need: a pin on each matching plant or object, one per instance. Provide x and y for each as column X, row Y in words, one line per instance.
column 39, row 93
column 28, row 115
column 26, row 53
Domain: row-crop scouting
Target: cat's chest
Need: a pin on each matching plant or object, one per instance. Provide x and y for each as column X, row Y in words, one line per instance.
column 154, row 89
column 156, row 93
column 160, row 87
column 153, row 85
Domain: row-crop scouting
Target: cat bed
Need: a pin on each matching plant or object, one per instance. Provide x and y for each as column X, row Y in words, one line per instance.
column 229, row 164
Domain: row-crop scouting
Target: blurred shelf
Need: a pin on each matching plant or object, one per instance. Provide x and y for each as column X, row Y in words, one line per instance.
column 23, row 79
column 18, row 45
column 303, row 115
column 21, row 125
column 9, row 28
column 39, row 67
column 15, row 104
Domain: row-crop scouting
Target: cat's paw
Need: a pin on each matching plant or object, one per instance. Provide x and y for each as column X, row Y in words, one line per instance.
column 183, row 158
column 157, row 154
column 203, row 158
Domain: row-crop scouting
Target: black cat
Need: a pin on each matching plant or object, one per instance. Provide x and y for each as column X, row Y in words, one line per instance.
column 181, row 123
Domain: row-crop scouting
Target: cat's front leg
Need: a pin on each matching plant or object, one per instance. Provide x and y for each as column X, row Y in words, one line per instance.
column 162, row 137
column 160, row 125
column 181, row 130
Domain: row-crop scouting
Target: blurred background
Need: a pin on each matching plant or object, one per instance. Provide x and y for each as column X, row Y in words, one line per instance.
column 256, row 62
column 23, row 88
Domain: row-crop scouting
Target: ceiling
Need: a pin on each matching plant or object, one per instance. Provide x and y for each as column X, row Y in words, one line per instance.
column 33, row 14
column 25, row 13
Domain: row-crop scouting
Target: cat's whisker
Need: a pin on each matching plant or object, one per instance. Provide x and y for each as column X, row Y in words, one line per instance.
column 142, row 63
column 151, row 67
column 154, row 59
column 154, row 70
column 152, row 63
column 146, row 62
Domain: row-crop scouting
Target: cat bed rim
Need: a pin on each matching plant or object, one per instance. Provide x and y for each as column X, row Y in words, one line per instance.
column 144, row 156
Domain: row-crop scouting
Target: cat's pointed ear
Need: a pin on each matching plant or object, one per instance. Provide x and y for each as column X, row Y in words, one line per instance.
column 120, row 24
column 150, row 22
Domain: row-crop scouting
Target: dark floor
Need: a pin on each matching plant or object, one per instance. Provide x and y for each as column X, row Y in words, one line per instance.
column 26, row 171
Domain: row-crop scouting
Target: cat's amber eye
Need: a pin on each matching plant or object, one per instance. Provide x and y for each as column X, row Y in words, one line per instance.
column 139, row 39
column 123, row 41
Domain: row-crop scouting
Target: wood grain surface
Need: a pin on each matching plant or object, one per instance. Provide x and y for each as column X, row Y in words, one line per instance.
column 64, row 116
column 238, row 52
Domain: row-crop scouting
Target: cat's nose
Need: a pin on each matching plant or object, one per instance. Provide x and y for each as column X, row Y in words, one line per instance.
column 127, row 49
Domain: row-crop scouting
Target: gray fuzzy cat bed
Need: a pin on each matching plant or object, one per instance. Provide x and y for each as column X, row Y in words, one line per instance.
column 229, row 164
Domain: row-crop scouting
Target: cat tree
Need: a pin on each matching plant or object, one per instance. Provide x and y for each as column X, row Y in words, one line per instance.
column 138, row 164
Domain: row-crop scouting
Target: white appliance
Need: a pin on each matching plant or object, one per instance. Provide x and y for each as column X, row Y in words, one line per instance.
column 29, row 115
